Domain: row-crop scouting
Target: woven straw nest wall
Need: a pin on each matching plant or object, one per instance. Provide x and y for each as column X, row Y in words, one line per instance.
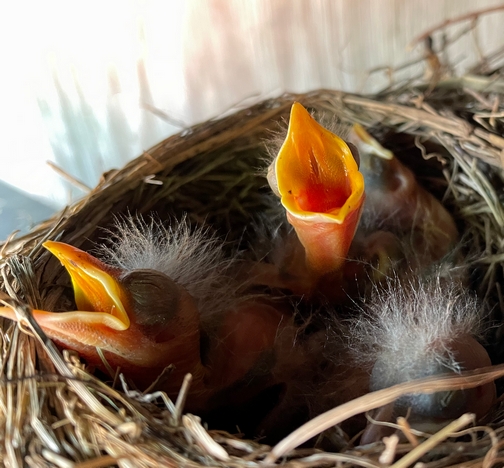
column 53, row 414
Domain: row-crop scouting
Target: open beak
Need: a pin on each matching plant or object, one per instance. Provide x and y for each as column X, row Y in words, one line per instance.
column 99, row 297
column 105, row 329
column 320, row 186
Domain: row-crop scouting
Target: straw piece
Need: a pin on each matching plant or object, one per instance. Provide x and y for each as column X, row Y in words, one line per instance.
column 433, row 441
column 25, row 317
column 193, row 425
column 377, row 399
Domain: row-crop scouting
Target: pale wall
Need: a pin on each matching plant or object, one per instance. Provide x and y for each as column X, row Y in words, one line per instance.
column 76, row 76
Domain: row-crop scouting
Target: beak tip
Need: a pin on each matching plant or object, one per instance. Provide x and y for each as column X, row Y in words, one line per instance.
column 52, row 246
column 299, row 116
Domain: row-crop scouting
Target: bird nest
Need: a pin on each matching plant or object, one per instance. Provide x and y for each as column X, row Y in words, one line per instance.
column 54, row 413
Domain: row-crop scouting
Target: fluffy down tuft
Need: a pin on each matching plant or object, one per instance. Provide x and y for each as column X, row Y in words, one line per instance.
column 408, row 324
column 192, row 257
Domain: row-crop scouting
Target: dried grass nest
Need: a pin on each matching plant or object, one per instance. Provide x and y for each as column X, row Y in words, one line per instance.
column 54, row 414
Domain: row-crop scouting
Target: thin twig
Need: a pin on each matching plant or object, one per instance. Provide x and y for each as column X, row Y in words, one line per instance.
column 458, row 19
column 73, row 180
column 377, row 399
column 433, row 441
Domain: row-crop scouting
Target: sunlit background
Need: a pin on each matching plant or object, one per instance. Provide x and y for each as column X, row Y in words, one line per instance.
column 90, row 85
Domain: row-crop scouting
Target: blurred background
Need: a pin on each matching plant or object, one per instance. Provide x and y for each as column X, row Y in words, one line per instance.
column 87, row 86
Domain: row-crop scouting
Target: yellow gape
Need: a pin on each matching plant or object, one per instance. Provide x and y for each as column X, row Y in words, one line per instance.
column 320, row 186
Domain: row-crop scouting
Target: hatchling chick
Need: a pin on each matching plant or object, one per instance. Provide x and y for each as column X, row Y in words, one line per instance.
column 164, row 298
column 399, row 217
column 415, row 326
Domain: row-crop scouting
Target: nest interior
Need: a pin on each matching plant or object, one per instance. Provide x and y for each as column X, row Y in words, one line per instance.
column 52, row 412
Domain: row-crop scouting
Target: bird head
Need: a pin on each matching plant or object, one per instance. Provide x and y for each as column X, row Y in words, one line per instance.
column 135, row 317
column 318, row 181
column 142, row 321
column 396, row 202
column 416, row 327
column 378, row 164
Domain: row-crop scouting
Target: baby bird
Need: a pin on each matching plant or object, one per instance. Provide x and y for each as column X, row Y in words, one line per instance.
column 319, row 184
column 335, row 250
column 417, row 326
column 398, row 212
column 162, row 297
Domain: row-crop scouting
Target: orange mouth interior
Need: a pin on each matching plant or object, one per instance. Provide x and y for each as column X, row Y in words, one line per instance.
column 316, row 173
